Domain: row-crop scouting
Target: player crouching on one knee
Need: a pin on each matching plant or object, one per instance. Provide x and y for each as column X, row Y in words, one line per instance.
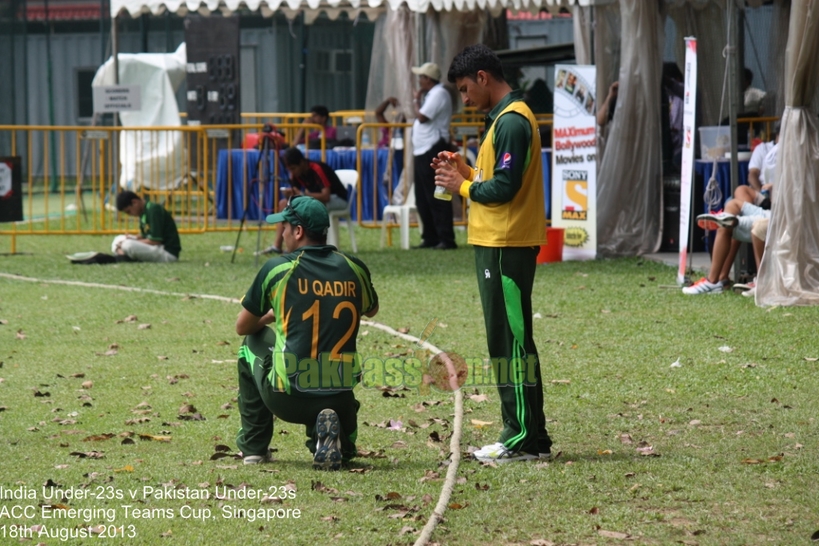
column 296, row 335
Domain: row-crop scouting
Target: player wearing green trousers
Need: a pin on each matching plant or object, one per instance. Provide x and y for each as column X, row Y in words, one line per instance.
column 304, row 368
column 507, row 225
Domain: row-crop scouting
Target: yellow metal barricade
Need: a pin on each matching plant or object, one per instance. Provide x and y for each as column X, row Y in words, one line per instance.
column 206, row 176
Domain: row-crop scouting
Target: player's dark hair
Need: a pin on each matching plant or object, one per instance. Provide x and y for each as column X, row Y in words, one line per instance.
column 315, row 237
column 292, row 157
column 124, row 199
column 320, row 111
column 473, row 58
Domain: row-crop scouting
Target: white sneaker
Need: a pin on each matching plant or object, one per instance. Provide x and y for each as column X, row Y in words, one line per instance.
column 485, row 449
column 498, row 453
column 750, row 293
column 257, row 459
column 714, row 221
column 703, row 286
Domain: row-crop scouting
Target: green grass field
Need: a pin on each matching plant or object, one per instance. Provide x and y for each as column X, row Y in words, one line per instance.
column 720, row 449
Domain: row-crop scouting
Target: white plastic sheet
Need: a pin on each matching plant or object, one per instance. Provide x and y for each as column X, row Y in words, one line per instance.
column 151, row 159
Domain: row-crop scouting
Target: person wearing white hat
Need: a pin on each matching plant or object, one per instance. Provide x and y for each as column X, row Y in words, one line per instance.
column 432, row 106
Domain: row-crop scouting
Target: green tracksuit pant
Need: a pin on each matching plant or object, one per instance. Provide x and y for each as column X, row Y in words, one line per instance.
column 259, row 402
column 505, row 279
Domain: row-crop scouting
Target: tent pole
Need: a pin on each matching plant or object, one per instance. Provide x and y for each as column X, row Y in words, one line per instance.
column 115, row 46
column 25, row 61
column 13, row 58
column 733, row 105
column 420, row 39
column 102, row 32
column 303, row 63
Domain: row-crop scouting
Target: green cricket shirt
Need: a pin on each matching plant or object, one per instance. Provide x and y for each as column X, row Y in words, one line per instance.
column 318, row 295
column 157, row 224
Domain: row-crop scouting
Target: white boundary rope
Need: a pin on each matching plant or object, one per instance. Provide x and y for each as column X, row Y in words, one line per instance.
column 454, row 442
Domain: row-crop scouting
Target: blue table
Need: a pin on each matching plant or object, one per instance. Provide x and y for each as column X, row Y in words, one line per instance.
column 723, row 176
column 237, row 169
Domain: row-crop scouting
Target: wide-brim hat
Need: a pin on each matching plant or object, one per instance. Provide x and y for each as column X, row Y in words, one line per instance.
column 430, row 70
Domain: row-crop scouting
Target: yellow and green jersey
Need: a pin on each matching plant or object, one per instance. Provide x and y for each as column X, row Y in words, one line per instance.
column 506, row 188
column 318, row 295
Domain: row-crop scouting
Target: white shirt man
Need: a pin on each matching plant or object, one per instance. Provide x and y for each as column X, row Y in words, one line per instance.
column 435, row 110
column 430, row 136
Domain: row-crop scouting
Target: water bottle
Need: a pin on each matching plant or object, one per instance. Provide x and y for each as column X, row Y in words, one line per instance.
column 365, row 139
column 441, row 192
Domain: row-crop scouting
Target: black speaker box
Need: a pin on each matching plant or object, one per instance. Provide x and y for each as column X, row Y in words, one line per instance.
column 212, row 70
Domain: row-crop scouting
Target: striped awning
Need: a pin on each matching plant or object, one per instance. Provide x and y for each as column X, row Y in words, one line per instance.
column 334, row 7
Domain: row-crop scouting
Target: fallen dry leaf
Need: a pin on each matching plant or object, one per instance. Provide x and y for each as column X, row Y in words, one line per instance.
column 20, row 335
column 478, row 397
column 477, row 423
column 98, row 437
column 145, row 326
column 612, row 534
column 87, row 454
column 126, row 468
column 155, row 438
column 87, row 384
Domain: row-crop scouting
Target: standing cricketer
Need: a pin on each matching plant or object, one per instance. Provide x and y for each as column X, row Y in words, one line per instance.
column 303, row 370
column 507, row 225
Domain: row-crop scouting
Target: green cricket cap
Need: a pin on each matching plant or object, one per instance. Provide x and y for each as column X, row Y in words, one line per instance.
column 308, row 212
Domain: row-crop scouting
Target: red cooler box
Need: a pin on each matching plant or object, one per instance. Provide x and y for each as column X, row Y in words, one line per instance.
column 552, row 251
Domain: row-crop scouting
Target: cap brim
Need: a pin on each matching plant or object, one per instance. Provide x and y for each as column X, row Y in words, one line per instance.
column 275, row 218
column 416, row 70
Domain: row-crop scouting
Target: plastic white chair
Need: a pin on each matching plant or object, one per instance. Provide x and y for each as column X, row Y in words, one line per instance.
column 348, row 177
column 402, row 216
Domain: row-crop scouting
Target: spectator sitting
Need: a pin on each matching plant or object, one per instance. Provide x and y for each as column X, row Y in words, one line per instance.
column 733, row 226
column 761, row 169
column 319, row 115
column 759, row 234
column 311, row 178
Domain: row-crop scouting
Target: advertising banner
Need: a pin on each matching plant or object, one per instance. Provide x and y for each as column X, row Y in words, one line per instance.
column 574, row 160
column 687, row 169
